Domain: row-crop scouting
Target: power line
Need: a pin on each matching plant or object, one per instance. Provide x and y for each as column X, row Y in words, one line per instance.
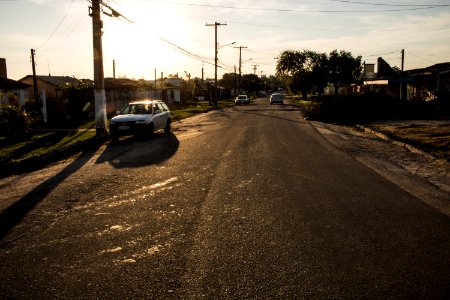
column 57, row 26
column 301, row 11
column 187, row 52
column 390, row 4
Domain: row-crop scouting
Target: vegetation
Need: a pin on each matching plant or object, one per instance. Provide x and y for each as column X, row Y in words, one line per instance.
column 434, row 138
column 310, row 72
column 368, row 107
column 41, row 146
column 14, row 121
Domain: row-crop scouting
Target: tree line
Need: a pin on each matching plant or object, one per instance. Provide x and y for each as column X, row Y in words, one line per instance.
column 308, row 71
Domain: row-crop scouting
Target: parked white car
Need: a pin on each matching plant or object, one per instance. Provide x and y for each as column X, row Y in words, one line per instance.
column 242, row 99
column 140, row 117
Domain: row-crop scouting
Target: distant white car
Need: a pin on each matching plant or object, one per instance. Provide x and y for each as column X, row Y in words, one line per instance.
column 242, row 99
column 276, row 98
column 140, row 117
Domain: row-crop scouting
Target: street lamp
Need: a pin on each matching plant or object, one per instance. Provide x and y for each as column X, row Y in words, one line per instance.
column 215, row 68
column 226, row 45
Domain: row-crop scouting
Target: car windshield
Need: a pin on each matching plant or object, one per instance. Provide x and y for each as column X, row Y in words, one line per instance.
column 242, row 97
column 137, row 109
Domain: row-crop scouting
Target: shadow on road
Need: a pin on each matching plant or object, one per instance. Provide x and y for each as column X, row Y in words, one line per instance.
column 15, row 213
column 134, row 152
column 256, row 110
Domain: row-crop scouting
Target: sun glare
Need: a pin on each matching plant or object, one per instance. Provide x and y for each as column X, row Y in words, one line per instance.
column 137, row 48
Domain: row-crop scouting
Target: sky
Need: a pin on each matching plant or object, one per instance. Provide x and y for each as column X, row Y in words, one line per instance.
column 172, row 36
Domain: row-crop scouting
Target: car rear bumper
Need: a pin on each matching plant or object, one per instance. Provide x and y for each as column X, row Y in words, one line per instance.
column 128, row 128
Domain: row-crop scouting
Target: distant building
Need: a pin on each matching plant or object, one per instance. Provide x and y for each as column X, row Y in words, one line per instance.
column 11, row 91
column 425, row 84
column 51, row 94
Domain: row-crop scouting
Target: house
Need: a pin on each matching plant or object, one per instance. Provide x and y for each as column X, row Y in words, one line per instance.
column 51, row 94
column 11, row 91
column 120, row 91
column 52, row 86
column 424, row 84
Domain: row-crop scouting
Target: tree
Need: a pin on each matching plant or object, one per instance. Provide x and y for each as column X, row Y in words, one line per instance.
column 307, row 70
column 319, row 72
column 344, row 69
column 251, row 83
column 228, row 80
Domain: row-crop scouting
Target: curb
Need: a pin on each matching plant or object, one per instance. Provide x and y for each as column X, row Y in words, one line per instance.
column 396, row 143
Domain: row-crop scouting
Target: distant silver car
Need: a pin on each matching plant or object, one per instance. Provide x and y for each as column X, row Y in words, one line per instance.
column 276, row 98
column 140, row 117
column 242, row 99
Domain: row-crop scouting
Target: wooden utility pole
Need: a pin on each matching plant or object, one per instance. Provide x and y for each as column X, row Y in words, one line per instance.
column 215, row 59
column 401, row 74
column 99, row 81
column 35, row 87
column 255, row 68
column 240, row 65
column 114, row 68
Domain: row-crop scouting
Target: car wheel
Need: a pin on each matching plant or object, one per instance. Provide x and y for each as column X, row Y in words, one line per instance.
column 167, row 128
column 151, row 129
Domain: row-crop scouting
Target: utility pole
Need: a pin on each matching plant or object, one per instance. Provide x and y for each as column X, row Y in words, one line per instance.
column 99, row 80
column 240, row 65
column 35, row 87
column 401, row 74
column 254, row 69
column 114, row 68
column 215, row 59
column 162, row 86
column 235, row 82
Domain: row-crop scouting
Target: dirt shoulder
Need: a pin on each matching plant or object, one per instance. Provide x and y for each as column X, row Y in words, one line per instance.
column 423, row 176
column 431, row 136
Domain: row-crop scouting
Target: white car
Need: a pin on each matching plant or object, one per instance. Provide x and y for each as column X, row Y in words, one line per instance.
column 140, row 117
column 242, row 99
column 276, row 98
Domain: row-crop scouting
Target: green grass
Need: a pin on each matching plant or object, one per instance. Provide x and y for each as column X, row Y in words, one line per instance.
column 41, row 144
column 45, row 143
column 183, row 112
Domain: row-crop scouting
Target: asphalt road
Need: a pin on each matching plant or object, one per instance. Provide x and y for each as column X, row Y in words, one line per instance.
column 244, row 203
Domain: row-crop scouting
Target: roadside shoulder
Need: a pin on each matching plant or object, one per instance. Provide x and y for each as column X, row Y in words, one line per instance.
column 415, row 172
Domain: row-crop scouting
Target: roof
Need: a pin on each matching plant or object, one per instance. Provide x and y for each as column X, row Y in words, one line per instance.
column 56, row 80
column 9, row 84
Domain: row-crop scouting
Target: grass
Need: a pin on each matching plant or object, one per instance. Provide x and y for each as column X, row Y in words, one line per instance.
column 433, row 138
column 43, row 143
column 14, row 151
column 182, row 112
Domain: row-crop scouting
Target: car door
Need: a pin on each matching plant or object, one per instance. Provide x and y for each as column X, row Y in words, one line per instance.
column 158, row 116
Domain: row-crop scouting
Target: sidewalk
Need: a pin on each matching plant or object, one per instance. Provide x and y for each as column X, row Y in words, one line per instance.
column 416, row 172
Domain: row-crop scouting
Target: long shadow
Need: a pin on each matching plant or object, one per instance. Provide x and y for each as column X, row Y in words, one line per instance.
column 252, row 112
column 15, row 213
column 134, row 152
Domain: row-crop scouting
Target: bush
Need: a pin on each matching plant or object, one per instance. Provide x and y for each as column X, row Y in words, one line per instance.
column 370, row 107
column 14, row 121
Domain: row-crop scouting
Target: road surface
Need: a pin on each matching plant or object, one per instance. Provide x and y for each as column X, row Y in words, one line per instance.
column 247, row 202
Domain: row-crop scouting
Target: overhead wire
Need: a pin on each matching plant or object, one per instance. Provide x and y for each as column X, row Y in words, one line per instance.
column 57, row 26
column 301, row 11
column 390, row 4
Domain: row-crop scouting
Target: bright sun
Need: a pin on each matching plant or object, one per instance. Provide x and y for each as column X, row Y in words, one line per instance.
column 137, row 48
